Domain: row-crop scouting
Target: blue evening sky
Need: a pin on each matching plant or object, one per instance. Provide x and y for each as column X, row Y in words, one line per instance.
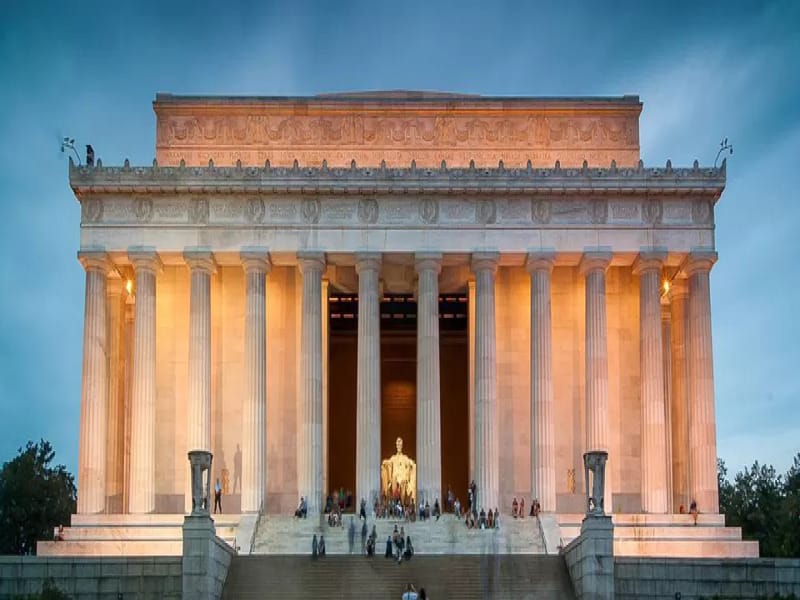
column 704, row 70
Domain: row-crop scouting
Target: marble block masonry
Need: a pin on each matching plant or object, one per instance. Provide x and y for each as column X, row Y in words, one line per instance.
column 212, row 277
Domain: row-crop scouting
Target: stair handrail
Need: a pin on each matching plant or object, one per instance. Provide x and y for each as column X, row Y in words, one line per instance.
column 255, row 528
column 541, row 533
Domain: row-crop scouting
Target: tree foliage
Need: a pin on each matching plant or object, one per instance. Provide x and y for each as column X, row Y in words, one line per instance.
column 35, row 497
column 765, row 505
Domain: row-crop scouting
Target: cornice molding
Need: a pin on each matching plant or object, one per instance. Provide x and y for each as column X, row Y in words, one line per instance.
column 695, row 180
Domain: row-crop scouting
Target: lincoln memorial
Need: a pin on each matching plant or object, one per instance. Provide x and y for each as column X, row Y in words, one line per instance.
column 297, row 282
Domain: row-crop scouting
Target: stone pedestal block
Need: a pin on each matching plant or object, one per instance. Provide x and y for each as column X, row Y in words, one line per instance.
column 590, row 559
column 206, row 559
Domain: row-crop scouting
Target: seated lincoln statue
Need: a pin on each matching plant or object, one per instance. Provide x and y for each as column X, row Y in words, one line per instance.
column 399, row 476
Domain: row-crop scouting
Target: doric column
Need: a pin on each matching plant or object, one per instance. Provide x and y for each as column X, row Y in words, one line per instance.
column 198, row 433
column 94, row 386
column 325, row 379
column 309, row 471
column 543, row 452
column 142, row 472
column 471, row 399
column 679, row 296
column 484, row 265
column 368, row 396
column 429, row 444
column 593, row 265
column 256, row 264
column 115, row 308
column 666, row 344
column 651, row 376
column 702, row 424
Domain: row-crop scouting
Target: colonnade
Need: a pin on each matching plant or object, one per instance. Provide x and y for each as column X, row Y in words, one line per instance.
column 690, row 408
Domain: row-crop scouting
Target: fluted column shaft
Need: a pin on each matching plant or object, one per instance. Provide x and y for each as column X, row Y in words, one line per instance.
column 679, row 295
column 94, row 387
column 429, row 426
column 666, row 353
column 256, row 264
column 543, row 456
column 651, row 375
column 198, row 433
column 115, row 308
column 484, row 265
column 593, row 266
column 368, row 395
column 142, row 471
column 310, row 413
column 702, row 427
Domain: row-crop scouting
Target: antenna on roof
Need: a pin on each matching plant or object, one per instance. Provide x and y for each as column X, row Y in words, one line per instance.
column 723, row 146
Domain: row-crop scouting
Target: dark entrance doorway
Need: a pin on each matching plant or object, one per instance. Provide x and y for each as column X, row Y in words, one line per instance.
column 398, row 385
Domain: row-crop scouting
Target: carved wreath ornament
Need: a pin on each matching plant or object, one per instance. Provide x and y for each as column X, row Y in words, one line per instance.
column 254, row 210
column 92, row 210
column 428, row 210
column 487, row 212
column 368, row 211
column 143, row 209
column 311, row 210
column 198, row 211
column 540, row 211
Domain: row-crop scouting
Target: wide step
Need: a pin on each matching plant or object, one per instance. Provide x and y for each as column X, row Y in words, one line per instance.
column 354, row 577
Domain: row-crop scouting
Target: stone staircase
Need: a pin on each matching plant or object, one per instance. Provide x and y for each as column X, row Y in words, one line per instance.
column 130, row 535
column 494, row 577
column 669, row 536
column 283, row 535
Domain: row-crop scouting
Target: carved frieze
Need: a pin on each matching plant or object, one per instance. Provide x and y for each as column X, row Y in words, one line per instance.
column 392, row 210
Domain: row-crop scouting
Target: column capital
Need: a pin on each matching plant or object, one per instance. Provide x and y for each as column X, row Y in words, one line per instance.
column 594, row 260
column 368, row 261
column 95, row 260
column 424, row 261
column 200, row 259
column 540, row 260
column 651, row 259
column 484, row 261
column 144, row 259
column 699, row 261
column 255, row 259
column 310, row 261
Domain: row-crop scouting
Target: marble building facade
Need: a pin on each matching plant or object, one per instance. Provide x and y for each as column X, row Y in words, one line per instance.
column 209, row 274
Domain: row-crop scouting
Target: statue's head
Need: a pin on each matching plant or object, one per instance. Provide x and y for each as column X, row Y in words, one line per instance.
column 399, row 444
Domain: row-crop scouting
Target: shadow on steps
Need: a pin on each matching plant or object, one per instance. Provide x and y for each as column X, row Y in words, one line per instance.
column 460, row 577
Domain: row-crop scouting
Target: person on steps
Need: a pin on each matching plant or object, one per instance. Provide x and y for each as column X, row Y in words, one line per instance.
column 321, row 545
column 388, row 553
column 314, row 547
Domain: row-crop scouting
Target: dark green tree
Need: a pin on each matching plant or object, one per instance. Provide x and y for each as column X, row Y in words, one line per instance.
column 791, row 510
column 35, row 497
